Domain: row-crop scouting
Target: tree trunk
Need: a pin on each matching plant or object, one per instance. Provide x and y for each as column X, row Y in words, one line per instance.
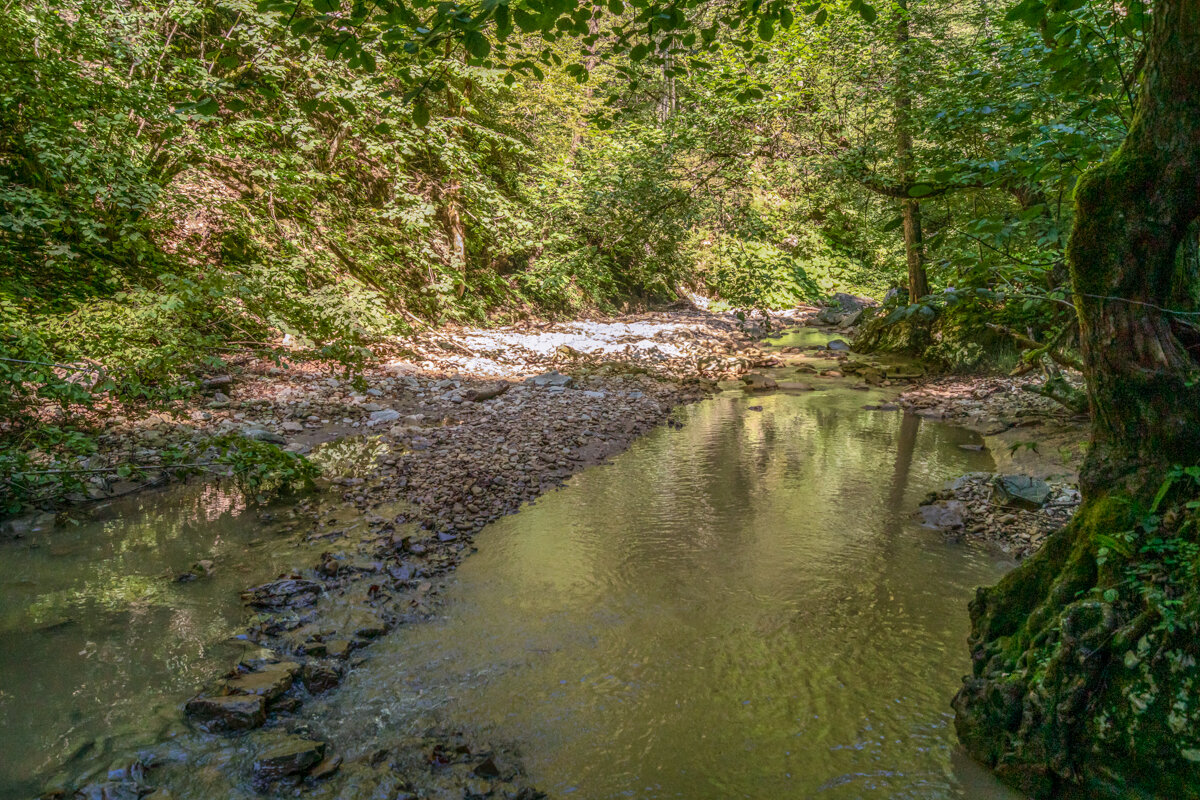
column 914, row 251
column 1131, row 217
column 914, row 245
column 1085, row 657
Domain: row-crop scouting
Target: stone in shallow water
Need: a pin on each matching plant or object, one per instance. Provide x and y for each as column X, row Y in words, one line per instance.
column 754, row 381
column 320, row 677
column 284, row 593
column 943, row 516
column 1021, row 491
column 228, row 712
column 270, row 681
column 291, row 755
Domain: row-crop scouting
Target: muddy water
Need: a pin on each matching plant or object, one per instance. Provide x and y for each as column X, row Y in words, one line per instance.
column 741, row 608
column 99, row 642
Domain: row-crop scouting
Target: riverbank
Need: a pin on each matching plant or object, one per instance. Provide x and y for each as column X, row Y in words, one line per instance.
column 1037, row 445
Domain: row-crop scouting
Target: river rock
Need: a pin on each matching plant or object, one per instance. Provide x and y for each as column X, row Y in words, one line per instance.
column 1020, row 491
column 551, row 378
column 263, row 435
column 382, row 416
column 795, row 386
column 326, row 768
column 289, row 756
column 319, row 677
column 943, row 516
column 485, row 392
column 227, row 712
column 271, row 681
column 839, row 345
column 757, row 382
column 284, row 593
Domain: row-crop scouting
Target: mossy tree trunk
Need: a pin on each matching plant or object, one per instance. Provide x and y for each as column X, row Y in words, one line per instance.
column 1132, row 215
column 1085, row 680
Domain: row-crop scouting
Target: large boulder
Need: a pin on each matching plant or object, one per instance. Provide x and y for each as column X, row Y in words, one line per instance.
column 844, row 309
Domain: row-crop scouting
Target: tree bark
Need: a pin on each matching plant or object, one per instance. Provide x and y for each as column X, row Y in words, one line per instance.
column 1086, row 657
column 1132, row 214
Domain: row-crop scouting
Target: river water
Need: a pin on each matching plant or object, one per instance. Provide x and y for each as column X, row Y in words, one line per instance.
column 741, row 608
column 738, row 608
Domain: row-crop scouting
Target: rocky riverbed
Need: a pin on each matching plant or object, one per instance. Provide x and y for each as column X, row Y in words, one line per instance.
column 426, row 449
column 417, row 456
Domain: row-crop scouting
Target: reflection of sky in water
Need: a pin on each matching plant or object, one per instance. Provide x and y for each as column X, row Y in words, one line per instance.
column 97, row 640
column 738, row 609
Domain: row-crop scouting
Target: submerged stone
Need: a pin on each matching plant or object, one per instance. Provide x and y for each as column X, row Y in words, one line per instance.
column 289, row 756
column 227, row 712
column 284, row 593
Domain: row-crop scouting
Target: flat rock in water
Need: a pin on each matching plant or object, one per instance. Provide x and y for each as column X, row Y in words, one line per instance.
column 943, row 516
column 795, row 386
column 757, row 382
column 1021, row 491
column 284, row 593
column 839, row 345
column 270, row 682
column 228, row 712
column 289, row 756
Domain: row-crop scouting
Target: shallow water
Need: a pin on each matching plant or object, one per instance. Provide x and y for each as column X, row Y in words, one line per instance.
column 99, row 644
column 741, row 608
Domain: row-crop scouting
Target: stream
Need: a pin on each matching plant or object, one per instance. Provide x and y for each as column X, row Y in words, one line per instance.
column 738, row 608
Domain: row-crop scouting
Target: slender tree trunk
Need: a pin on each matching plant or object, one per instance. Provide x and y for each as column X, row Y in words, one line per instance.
column 1132, row 214
column 914, row 244
column 914, row 250
column 456, row 232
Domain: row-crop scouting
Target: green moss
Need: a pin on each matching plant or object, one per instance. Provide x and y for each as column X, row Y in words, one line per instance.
column 1085, row 678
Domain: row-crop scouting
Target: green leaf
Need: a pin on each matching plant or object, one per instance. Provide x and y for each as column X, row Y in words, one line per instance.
column 920, row 190
column 616, row 7
column 766, row 29
column 893, row 224
column 867, row 12
column 420, row 115
column 477, row 44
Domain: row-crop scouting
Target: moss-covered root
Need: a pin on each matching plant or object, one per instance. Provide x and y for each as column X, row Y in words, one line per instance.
column 1085, row 679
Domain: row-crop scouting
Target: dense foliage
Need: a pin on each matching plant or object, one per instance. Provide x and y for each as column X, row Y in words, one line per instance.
column 180, row 181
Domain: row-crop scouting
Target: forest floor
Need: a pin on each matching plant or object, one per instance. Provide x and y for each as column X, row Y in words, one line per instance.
column 469, row 424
